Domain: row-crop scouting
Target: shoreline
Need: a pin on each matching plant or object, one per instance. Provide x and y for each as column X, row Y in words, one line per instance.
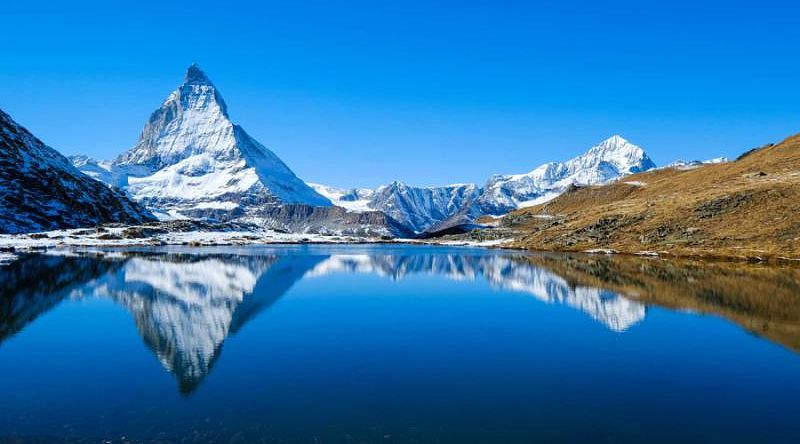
column 10, row 244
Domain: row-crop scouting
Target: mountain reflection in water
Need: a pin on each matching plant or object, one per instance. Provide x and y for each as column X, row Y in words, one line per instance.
column 185, row 303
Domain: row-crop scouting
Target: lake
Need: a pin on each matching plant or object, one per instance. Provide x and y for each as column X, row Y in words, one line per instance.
column 395, row 344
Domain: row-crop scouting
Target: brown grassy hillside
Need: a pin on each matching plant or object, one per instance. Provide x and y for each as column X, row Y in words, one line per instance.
column 749, row 208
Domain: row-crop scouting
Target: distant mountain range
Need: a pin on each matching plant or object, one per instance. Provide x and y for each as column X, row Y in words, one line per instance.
column 424, row 208
column 193, row 162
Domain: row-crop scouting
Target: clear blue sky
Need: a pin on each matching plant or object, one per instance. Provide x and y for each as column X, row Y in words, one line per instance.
column 360, row 93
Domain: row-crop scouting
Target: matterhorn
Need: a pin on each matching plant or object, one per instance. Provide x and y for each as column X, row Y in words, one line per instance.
column 192, row 161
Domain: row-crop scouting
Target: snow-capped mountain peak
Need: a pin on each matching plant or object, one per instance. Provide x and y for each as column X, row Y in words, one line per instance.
column 198, row 92
column 437, row 208
column 192, row 120
column 610, row 159
column 417, row 208
column 191, row 160
column 626, row 157
column 196, row 75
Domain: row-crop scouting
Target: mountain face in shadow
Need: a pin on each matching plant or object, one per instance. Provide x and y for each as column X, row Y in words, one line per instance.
column 186, row 304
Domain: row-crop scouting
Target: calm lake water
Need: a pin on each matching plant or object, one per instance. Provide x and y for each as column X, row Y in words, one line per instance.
column 395, row 344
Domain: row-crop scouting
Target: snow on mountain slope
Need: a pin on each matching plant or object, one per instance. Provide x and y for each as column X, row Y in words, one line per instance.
column 102, row 170
column 422, row 207
column 613, row 158
column 416, row 208
column 41, row 190
column 689, row 164
column 353, row 199
column 192, row 161
column 435, row 208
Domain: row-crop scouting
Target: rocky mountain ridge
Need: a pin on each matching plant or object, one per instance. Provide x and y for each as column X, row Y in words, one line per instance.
column 191, row 158
column 41, row 190
column 429, row 209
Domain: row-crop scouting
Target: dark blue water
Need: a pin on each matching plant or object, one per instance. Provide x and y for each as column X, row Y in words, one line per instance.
column 392, row 344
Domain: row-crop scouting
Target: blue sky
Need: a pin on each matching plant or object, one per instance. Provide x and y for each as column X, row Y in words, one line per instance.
column 361, row 93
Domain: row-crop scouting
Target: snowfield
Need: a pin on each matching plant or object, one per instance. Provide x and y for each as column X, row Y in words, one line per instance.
column 7, row 258
column 115, row 237
column 184, row 232
column 354, row 199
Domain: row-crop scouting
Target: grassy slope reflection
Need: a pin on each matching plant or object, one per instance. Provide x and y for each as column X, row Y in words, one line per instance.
column 762, row 299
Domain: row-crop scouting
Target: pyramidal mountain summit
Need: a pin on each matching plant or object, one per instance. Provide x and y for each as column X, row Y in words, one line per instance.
column 192, row 161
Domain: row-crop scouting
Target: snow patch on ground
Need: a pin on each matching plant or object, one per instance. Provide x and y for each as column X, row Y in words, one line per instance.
column 539, row 200
column 169, row 215
column 462, row 243
column 692, row 164
column 7, row 258
column 600, row 251
column 545, row 216
column 80, row 238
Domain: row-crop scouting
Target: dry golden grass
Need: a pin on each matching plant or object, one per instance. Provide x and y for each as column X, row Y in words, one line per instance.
column 748, row 208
